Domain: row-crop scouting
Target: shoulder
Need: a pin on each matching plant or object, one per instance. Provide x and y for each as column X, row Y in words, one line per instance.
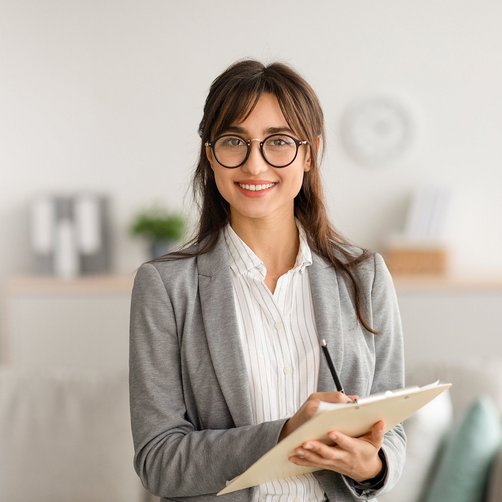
column 168, row 270
column 368, row 267
column 163, row 279
column 372, row 271
column 350, row 254
column 180, row 271
column 375, row 282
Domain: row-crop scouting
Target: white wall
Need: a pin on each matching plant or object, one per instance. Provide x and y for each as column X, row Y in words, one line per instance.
column 107, row 95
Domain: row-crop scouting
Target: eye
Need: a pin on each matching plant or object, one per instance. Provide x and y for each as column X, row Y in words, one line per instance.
column 279, row 142
column 231, row 142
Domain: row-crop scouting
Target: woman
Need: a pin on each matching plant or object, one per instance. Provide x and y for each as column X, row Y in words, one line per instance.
column 225, row 354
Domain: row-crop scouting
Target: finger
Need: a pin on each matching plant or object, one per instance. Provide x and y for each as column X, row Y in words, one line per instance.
column 342, row 440
column 312, row 405
column 333, row 397
column 310, row 458
column 316, row 451
column 295, row 459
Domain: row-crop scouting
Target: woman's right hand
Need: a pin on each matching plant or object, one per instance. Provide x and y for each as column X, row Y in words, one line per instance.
column 309, row 409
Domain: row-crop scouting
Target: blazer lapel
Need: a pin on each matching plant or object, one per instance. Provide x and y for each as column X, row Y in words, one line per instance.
column 222, row 331
column 326, row 301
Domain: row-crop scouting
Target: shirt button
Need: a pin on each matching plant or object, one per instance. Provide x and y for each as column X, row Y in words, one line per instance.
column 287, row 370
column 278, row 325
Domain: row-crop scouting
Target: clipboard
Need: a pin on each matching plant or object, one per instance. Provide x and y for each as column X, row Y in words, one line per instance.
column 353, row 419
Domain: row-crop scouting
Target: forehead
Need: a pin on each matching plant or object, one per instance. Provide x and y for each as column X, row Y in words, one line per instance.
column 264, row 114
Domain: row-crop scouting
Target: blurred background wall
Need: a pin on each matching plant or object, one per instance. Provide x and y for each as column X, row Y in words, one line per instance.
column 107, row 96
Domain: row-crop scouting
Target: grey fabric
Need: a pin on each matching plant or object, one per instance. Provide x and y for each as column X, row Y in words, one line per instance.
column 190, row 404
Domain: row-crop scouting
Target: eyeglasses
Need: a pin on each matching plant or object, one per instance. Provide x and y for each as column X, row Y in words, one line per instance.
column 278, row 150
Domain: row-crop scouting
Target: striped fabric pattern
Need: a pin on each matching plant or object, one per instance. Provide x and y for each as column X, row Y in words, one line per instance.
column 280, row 346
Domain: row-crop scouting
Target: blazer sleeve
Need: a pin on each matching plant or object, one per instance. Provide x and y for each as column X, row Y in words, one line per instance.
column 389, row 372
column 172, row 458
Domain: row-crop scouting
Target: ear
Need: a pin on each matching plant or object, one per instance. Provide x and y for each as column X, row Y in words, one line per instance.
column 318, row 141
column 308, row 158
column 307, row 162
column 210, row 156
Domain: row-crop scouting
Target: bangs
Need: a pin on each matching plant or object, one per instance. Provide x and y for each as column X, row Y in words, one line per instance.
column 239, row 103
column 235, row 108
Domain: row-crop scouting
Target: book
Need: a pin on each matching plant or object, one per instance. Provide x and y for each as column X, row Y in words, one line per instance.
column 353, row 419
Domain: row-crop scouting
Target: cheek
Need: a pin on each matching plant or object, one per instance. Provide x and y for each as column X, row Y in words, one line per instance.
column 297, row 182
column 222, row 184
column 219, row 185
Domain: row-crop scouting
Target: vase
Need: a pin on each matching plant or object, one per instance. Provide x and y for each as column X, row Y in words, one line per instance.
column 160, row 247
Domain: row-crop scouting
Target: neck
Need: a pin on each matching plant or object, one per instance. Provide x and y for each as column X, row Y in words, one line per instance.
column 272, row 239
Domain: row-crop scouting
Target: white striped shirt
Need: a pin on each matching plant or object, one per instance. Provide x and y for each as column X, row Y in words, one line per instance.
column 280, row 346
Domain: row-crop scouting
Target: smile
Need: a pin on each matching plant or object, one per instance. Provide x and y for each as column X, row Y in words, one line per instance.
column 256, row 188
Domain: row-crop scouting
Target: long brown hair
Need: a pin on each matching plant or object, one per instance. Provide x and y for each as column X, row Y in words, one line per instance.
column 231, row 98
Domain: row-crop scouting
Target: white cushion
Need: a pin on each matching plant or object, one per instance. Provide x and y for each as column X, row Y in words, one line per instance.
column 425, row 431
column 470, row 377
column 65, row 435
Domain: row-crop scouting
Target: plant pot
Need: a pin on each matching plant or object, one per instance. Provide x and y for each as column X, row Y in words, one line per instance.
column 161, row 247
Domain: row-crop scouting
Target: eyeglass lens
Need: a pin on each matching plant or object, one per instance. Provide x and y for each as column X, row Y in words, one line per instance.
column 278, row 150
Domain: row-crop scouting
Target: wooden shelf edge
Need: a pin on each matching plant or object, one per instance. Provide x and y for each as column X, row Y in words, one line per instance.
column 412, row 283
column 77, row 285
column 123, row 284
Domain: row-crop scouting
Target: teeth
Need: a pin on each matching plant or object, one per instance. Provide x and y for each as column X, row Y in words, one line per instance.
column 256, row 188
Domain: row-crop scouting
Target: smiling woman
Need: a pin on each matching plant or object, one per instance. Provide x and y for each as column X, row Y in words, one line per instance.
column 225, row 334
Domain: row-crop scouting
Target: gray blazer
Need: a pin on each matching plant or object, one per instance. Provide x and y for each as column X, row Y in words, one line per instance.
column 190, row 401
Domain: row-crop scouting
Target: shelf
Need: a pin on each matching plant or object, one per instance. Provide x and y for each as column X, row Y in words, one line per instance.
column 114, row 284
column 447, row 283
column 79, row 285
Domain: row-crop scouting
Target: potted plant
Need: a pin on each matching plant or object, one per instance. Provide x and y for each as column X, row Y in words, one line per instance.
column 162, row 229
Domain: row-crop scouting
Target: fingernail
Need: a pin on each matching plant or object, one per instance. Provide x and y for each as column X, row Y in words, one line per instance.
column 333, row 436
column 307, row 446
column 299, row 453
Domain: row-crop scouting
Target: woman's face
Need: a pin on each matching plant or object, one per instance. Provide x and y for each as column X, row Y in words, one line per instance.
column 256, row 190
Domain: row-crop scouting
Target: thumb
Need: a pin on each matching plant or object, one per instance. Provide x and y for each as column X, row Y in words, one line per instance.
column 376, row 434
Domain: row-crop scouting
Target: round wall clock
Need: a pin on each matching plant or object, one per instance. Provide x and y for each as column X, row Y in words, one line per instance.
column 378, row 130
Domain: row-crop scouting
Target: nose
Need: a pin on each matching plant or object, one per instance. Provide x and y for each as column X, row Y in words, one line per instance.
column 255, row 162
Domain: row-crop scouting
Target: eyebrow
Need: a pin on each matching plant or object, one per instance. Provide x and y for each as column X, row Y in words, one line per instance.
column 268, row 130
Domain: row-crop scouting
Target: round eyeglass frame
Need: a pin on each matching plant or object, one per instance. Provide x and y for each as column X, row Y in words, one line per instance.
column 248, row 142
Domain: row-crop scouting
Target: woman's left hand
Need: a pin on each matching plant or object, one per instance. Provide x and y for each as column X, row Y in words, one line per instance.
column 356, row 458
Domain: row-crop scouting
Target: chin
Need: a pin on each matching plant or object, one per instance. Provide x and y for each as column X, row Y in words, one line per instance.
column 258, row 213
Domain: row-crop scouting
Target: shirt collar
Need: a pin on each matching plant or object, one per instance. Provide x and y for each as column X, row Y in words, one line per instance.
column 304, row 257
column 243, row 260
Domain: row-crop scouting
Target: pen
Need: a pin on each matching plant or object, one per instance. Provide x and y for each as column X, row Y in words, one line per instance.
column 331, row 366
